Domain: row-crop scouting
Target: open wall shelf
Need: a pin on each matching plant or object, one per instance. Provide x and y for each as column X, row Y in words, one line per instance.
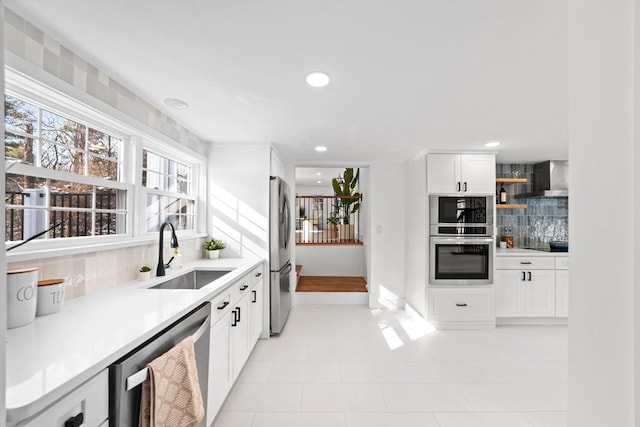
column 511, row 181
column 511, row 206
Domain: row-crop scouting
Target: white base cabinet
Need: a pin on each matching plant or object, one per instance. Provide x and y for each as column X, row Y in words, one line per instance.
column 531, row 287
column 235, row 328
column 256, row 309
column 90, row 402
column 461, row 307
column 523, row 293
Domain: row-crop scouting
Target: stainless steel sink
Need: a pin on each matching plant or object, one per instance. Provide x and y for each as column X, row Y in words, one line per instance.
column 193, row 280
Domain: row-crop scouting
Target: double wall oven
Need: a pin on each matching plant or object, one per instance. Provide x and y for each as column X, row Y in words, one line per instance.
column 461, row 240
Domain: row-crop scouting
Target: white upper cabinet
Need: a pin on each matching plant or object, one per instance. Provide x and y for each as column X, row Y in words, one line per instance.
column 461, row 173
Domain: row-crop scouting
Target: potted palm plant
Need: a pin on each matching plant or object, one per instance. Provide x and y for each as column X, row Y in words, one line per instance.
column 212, row 247
column 348, row 201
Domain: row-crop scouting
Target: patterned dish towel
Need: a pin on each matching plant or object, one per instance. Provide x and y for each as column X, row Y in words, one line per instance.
column 171, row 395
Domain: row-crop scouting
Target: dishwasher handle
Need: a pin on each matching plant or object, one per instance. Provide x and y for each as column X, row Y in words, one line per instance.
column 134, row 380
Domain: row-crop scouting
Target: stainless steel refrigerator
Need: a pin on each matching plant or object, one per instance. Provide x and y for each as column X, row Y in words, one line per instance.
column 279, row 253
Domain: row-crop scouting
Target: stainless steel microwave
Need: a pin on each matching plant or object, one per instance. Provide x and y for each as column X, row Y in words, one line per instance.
column 461, row 215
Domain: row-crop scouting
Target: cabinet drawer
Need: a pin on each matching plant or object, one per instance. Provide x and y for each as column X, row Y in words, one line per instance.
column 256, row 275
column 527, row 263
column 91, row 399
column 458, row 305
column 562, row 263
column 240, row 288
column 220, row 304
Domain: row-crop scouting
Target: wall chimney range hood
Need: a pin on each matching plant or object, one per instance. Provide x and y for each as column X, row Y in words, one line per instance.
column 550, row 179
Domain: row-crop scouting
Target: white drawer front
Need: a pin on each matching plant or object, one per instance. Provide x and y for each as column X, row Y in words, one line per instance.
column 220, row 305
column 91, row 399
column 562, row 263
column 256, row 275
column 528, row 263
column 462, row 306
column 240, row 288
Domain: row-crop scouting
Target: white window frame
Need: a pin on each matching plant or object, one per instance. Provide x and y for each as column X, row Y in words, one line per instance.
column 197, row 185
column 133, row 139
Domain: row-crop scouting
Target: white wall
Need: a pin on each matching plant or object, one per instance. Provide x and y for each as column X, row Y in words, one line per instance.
column 238, row 210
column 604, row 193
column 416, row 233
column 331, row 260
column 3, row 268
column 636, row 194
column 314, row 190
column 387, row 216
column 239, row 197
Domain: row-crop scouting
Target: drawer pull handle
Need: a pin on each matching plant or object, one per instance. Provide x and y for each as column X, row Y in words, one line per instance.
column 244, row 287
column 525, row 262
column 75, row 421
column 464, row 304
column 224, row 304
column 258, row 274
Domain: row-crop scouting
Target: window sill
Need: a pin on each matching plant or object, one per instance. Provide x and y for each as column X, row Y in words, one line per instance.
column 28, row 253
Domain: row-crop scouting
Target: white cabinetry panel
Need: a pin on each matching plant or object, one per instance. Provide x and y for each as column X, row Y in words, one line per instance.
column 461, row 173
column 90, row 399
column 562, row 293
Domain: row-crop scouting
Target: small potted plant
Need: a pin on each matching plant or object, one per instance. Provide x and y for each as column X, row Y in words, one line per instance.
column 212, row 247
column 144, row 273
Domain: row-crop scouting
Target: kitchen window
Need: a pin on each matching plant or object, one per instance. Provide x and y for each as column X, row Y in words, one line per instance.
column 97, row 180
column 169, row 191
column 63, row 174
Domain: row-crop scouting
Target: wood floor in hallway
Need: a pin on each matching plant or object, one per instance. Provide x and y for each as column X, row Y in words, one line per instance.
column 331, row 284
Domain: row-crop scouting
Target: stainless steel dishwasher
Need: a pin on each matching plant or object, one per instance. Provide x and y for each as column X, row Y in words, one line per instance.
column 127, row 375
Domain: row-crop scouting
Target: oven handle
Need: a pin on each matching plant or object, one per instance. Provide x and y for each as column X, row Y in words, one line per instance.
column 134, row 380
column 462, row 239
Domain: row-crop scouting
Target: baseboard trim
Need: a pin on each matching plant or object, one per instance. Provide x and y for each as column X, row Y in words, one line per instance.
column 346, row 298
column 532, row 321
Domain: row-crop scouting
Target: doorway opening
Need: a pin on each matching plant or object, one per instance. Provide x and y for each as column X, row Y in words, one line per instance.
column 330, row 249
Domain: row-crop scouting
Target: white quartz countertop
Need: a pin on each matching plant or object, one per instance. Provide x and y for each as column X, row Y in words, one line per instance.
column 51, row 356
column 528, row 252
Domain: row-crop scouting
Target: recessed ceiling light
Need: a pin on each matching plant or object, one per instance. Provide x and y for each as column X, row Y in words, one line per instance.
column 321, row 148
column 318, row 79
column 318, row 173
column 319, row 182
column 492, row 144
column 176, row 103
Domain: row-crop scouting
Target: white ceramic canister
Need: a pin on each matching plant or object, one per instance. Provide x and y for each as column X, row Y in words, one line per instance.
column 22, row 296
column 50, row 296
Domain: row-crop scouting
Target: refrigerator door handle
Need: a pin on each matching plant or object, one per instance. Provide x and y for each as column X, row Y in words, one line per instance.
column 287, row 220
column 286, row 269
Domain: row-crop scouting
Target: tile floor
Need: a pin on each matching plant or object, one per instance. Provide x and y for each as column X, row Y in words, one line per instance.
column 349, row 366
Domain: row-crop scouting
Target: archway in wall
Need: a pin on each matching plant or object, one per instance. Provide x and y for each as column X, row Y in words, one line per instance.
column 331, row 265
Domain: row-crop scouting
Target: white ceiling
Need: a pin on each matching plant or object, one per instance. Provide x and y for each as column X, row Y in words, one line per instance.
column 406, row 75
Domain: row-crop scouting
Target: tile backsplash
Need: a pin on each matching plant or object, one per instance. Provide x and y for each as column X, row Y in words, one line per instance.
column 43, row 51
column 94, row 271
column 91, row 272
column 545, row 219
